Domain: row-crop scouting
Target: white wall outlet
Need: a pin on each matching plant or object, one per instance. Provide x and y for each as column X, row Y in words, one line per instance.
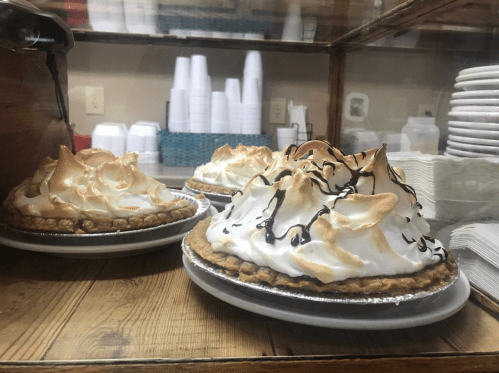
column 356, row 106
column 94, row 100
column 277, row 110
column 423, row 109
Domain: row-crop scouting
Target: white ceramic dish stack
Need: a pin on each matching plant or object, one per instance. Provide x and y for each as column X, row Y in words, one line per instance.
column 474, row 118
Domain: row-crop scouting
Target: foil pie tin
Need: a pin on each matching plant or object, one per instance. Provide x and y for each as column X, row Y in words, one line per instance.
column 215, row 197
column 24, row 236
column 320, row 298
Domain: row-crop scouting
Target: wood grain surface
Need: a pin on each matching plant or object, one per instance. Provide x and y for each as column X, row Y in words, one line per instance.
column 143, row 314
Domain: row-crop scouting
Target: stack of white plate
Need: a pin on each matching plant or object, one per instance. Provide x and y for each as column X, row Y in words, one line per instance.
column 474, row 118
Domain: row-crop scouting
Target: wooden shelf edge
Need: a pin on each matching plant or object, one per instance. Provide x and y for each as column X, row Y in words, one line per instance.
column 485, row 301
column 455, row 363
column 171, row 40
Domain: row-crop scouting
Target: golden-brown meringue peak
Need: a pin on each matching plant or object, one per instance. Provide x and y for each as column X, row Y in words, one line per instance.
column 91, row 183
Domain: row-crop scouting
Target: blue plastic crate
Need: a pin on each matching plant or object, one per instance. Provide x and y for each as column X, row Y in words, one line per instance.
column 193, row 149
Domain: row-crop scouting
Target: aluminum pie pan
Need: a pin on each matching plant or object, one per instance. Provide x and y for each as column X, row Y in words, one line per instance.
column 326, row 298
column 216, row 197
column 111, row 238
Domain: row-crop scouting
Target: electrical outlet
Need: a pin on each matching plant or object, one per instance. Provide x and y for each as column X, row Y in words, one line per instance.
column 277, row 110
column 424, row 108
column 94, row 100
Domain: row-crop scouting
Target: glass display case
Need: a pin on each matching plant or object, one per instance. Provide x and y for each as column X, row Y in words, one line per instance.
column 419, row 77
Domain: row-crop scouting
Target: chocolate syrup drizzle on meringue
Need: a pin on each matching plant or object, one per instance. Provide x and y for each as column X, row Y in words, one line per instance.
column 350, row 187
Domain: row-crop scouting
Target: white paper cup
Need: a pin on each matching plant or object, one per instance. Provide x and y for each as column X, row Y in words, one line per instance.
column 199, row 72
column 286, row 136
column 181, row 77
column 233, row 90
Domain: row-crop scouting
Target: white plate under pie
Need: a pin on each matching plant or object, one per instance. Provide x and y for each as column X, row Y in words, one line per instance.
column 463, row 153
column 341, row 316
column 477, row 108
column 473, row 140
column 482, row 93
column 106, row 245
column 490, row 128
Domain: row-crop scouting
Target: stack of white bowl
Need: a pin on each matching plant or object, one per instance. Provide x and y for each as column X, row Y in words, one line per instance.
column 474, row 118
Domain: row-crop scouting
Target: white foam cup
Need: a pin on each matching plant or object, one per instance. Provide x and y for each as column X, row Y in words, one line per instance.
column 219, row 113
column 285, row 137
column 178, row 106
column 233, row 90
column 234, row 117
column 251, row 89
column 181, row 77
column 199, row 72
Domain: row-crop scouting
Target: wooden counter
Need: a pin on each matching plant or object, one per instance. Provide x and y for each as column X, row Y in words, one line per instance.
column 144, row 314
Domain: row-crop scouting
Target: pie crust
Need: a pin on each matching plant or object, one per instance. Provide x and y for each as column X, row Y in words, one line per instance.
column 191, row 183
column 432, row 277
column 96, row 225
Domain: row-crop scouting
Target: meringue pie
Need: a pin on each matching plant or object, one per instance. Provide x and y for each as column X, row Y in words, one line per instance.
column 92, row 191
column 326, row 222
column 230, row 168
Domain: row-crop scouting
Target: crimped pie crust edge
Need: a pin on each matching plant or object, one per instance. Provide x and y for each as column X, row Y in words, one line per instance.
column 432, row 277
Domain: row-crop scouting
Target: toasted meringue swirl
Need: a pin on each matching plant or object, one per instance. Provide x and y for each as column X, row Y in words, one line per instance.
column 92, row 183
column 329, row 216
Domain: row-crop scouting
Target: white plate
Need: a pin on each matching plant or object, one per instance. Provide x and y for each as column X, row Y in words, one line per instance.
column 483, row 93
column 482, row 126
column 470, row 85
column 476, row 108
column 494, row 74
column 100, row 251
column 464, row 153
column 473, row 140
column 479, row 69
column 474, row 148
column 340, row 316
column 475, row 101
column 475, row 116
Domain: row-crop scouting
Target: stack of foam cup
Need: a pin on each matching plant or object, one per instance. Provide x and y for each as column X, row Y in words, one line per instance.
column 233, row 95
column 286, row 136
column 110, row 136
column 178, row 114
column 219, row 113
column 142, row 138
column 251, row 108
column 199, row 99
